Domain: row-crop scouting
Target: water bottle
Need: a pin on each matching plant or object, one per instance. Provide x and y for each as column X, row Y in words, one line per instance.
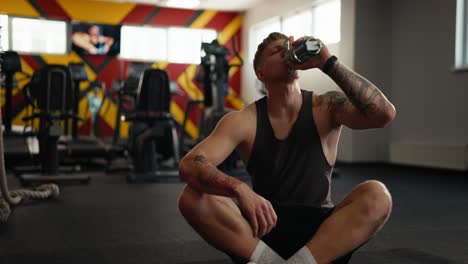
column 302, row 50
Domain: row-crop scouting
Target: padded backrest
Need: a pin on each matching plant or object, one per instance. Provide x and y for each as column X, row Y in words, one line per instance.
column 51, row 87
column 11, row 62
column 154, row 92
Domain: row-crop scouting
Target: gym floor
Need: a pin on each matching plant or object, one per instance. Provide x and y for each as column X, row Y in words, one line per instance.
column 110, row 221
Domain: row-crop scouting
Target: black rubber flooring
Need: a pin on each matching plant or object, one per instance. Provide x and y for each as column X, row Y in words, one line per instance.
column 110, row 221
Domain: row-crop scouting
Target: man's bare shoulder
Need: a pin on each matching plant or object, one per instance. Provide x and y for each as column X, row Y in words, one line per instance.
column 241, row 117
column 239, row 123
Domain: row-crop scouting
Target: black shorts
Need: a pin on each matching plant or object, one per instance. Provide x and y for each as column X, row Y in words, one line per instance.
column 295, row 227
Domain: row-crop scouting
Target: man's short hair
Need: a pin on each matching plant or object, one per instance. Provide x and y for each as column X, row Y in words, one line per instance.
column 261, row 47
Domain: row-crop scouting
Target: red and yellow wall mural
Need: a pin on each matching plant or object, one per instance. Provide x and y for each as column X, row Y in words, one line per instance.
column 106, row 69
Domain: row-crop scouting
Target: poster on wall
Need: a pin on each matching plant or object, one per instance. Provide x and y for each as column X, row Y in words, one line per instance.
column 99, row 39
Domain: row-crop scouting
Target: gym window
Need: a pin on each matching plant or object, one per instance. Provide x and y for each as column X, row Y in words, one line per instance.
column 4, row 38
column 320, row 20
column 461, row 49
column 326, row 21
column 143, row 43
column 298, row 25
column 184, row 44
column 259, row 31
column 38, row 36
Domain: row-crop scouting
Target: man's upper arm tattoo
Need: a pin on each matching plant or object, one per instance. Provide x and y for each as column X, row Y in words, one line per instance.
column 334, row 101
column 365, row 96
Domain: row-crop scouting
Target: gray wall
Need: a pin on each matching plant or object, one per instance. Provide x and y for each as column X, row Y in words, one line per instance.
column 429, row 96
column 407, row 49
column 373, row 60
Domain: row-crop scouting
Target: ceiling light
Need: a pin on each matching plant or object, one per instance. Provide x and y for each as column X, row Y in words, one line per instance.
column 183, row 3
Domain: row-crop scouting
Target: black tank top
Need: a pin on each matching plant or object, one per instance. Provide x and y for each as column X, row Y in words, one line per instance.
column 293, row 171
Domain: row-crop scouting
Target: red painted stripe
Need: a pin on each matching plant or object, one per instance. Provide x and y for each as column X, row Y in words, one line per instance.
column 221, row 20
column 229, row 45
column 229, row 106
column 95, row 60
column 172, row 17
column 53, row 9
column 109, row 73
column 174, row 70
column 194, row 112
column 103, row 128
column 138, row 14
column 31, row 62
column 17, row 99
column 84, row 128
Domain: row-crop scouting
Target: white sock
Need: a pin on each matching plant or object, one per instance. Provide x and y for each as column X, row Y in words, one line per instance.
column 303, row 256
column 263, row 254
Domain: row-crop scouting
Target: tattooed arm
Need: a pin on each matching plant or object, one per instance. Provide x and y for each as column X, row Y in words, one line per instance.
column 204, row 176
column 362, row 105
column 198, row 167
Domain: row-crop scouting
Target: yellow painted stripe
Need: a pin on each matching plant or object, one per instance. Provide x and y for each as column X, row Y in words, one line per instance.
column 227, row 34
column 160, row 65
column 235, row 100
column 56, row 59
column 18, row 119
column 185, row 81
column 23, row 79
column 83, row 110
column 18, row 8
column 108, row 113
column 234, row 60
column 96, row 11
column 233, row 97
column 203, row 19
column 178, row 115
column 230, row 30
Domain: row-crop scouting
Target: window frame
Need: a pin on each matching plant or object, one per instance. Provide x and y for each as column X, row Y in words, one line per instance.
column 140, row 59
column 281, row 18
column 461, row 43
column 67, row 35
column 7, row 29
column 169, row 58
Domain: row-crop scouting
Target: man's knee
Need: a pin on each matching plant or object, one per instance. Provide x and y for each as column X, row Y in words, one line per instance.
column 376, row 201
column 188, row 200
column 192, row 202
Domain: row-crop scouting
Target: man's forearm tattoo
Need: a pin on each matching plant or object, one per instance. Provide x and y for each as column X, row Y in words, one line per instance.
column 365, row 96
column 210, row 177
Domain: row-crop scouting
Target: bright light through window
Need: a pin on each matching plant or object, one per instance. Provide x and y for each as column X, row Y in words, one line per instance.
column 39, row 36
column 4, row 32
column 185, row 43
column 261, row 31
column 143, row 43
column 461, row 48
column 298, row 25
column 326, row 23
